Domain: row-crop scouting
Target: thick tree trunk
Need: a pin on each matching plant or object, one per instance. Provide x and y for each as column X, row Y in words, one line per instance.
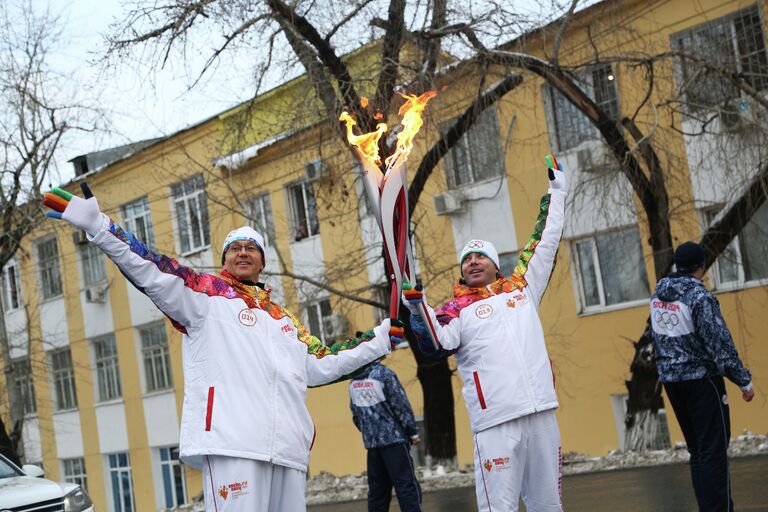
column 644, row 402
column 439, row 421
column 13, row 434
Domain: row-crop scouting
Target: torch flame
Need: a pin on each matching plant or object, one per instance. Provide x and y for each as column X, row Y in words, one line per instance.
column 367, row 144
column 411, row 112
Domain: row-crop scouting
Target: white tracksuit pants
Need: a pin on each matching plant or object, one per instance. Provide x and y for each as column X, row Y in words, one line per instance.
column 245, row 485
column 520, row 457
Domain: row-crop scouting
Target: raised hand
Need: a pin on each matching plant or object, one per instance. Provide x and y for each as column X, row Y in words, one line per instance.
column 412, row 297
column 396, row 332
column 82, row 213
column 555, row 172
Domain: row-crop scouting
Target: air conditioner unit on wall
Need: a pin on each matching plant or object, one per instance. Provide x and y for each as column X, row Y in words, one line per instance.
column 448, row 203
column 96, row 294
column 596, row 158
column 737, row 115
column 315, row 170
column 334, row 327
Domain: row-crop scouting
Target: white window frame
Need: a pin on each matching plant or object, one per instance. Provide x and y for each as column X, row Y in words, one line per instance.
column 49, row 268
column 727, row 21
column 74, row 472
column 63, row 378
column 137, row 218
column 317, row 307
column 172, row 469
column 156, row 357
column 11, row 294
column 92, row 260
column 602, row 306
column 107, row 368
column 486, row 126
column 24, row 382
column 297, row 229
column 260, row 207
column 117, row 470
column 189, row 197
column 611, row 104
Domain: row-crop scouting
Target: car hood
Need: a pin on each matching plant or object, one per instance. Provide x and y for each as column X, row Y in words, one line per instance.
column 23, row 490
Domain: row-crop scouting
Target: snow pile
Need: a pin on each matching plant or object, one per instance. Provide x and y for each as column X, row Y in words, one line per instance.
column 327, row 488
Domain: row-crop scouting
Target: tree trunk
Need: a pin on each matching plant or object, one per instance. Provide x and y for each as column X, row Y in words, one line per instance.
column 439, row 421
column 644, row 402
column 15, row 405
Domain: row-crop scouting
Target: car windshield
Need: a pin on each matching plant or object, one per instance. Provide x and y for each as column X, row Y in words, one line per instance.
column 6, row 470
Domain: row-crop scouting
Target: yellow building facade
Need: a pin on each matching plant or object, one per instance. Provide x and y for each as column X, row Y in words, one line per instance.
column 105, row 366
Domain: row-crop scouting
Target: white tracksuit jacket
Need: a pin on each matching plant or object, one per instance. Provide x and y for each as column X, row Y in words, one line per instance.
column 247, row 361
column 496, row 334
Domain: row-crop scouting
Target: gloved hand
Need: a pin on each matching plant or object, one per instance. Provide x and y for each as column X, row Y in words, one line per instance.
column 556, row 175
column 396, row 332
column 81, row 213
column 412, row 297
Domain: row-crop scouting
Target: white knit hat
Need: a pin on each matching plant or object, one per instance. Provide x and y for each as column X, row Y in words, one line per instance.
column 246, row 233
column 483, row 247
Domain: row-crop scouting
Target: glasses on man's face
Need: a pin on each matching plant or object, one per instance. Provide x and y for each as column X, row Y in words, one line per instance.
column 235, row 249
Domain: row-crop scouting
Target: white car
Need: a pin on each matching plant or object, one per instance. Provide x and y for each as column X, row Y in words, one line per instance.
column 24, row 489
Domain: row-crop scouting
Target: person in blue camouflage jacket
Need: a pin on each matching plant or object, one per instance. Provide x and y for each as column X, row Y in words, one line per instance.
column 382, row 412
column 694, row 350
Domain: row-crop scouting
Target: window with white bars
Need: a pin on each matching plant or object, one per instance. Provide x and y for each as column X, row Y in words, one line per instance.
column 121, row 481
column 303, row 211
column 94, row 270
column 138, row 220
column 610, row 269
column 174, row 483
column 157, row 363
column 50, row 271
column 477, row 155
column 63, row 376
column 570, row 126
column 107, row 368
column 191, row 206
column 745, row 259
column 74, row 472
column 316, row 312
column 11, row 295
column 261, row 213
column 22, row 376
column 733, row 43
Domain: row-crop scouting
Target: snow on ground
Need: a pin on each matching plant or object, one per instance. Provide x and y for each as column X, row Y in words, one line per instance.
column 327, row 488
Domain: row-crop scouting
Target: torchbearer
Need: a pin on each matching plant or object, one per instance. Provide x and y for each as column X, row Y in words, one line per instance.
column 247, row 362
column 492, row 326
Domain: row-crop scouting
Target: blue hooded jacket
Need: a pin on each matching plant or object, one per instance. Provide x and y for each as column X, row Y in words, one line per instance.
column 690, row 337
column 380, row 407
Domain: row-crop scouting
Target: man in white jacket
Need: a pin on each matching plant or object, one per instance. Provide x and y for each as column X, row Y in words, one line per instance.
column 247, row 362
column 492, row 327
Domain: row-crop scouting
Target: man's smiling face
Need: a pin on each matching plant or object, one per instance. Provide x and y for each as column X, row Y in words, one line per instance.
column 243, row 260
column 478, row 270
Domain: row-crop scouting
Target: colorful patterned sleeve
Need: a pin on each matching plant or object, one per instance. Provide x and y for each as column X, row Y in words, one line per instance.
column 537, row 259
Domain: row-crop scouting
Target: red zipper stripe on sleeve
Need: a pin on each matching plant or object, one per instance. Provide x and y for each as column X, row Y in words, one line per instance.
column 479, row 390
column 209, row 411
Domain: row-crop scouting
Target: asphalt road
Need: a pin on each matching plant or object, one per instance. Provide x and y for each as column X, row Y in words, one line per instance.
column 657, row 489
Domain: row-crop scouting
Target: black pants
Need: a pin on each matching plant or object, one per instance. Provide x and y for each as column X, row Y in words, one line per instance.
column 701, row 407
column 388, row 466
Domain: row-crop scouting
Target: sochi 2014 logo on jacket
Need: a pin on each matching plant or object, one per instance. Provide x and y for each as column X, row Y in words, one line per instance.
column 233, row 490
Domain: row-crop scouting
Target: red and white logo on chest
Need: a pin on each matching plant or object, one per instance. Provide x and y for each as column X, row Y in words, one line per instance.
column 247, row 317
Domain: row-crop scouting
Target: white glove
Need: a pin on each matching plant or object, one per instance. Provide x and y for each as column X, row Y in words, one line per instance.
column 557, row 181
column 81, row 213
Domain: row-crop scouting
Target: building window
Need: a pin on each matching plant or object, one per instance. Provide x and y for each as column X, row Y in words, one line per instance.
column 50, row 273
column 22, row 376
column 571, row 126
column 122, row 482
column 419, row 451
column 74, row 472
column 157, row 363
column 174, row 485
column 261, row 212
column 508, row 262
column 736, row 43
column 477, row 155
column 303, row 210
column 11, row 295
column 63, row 376
column 138, row 220
column 192, row 213
column 746, row 257
column 94, row 270
column 107, row 369
column 316, row 313
column 610, row 268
